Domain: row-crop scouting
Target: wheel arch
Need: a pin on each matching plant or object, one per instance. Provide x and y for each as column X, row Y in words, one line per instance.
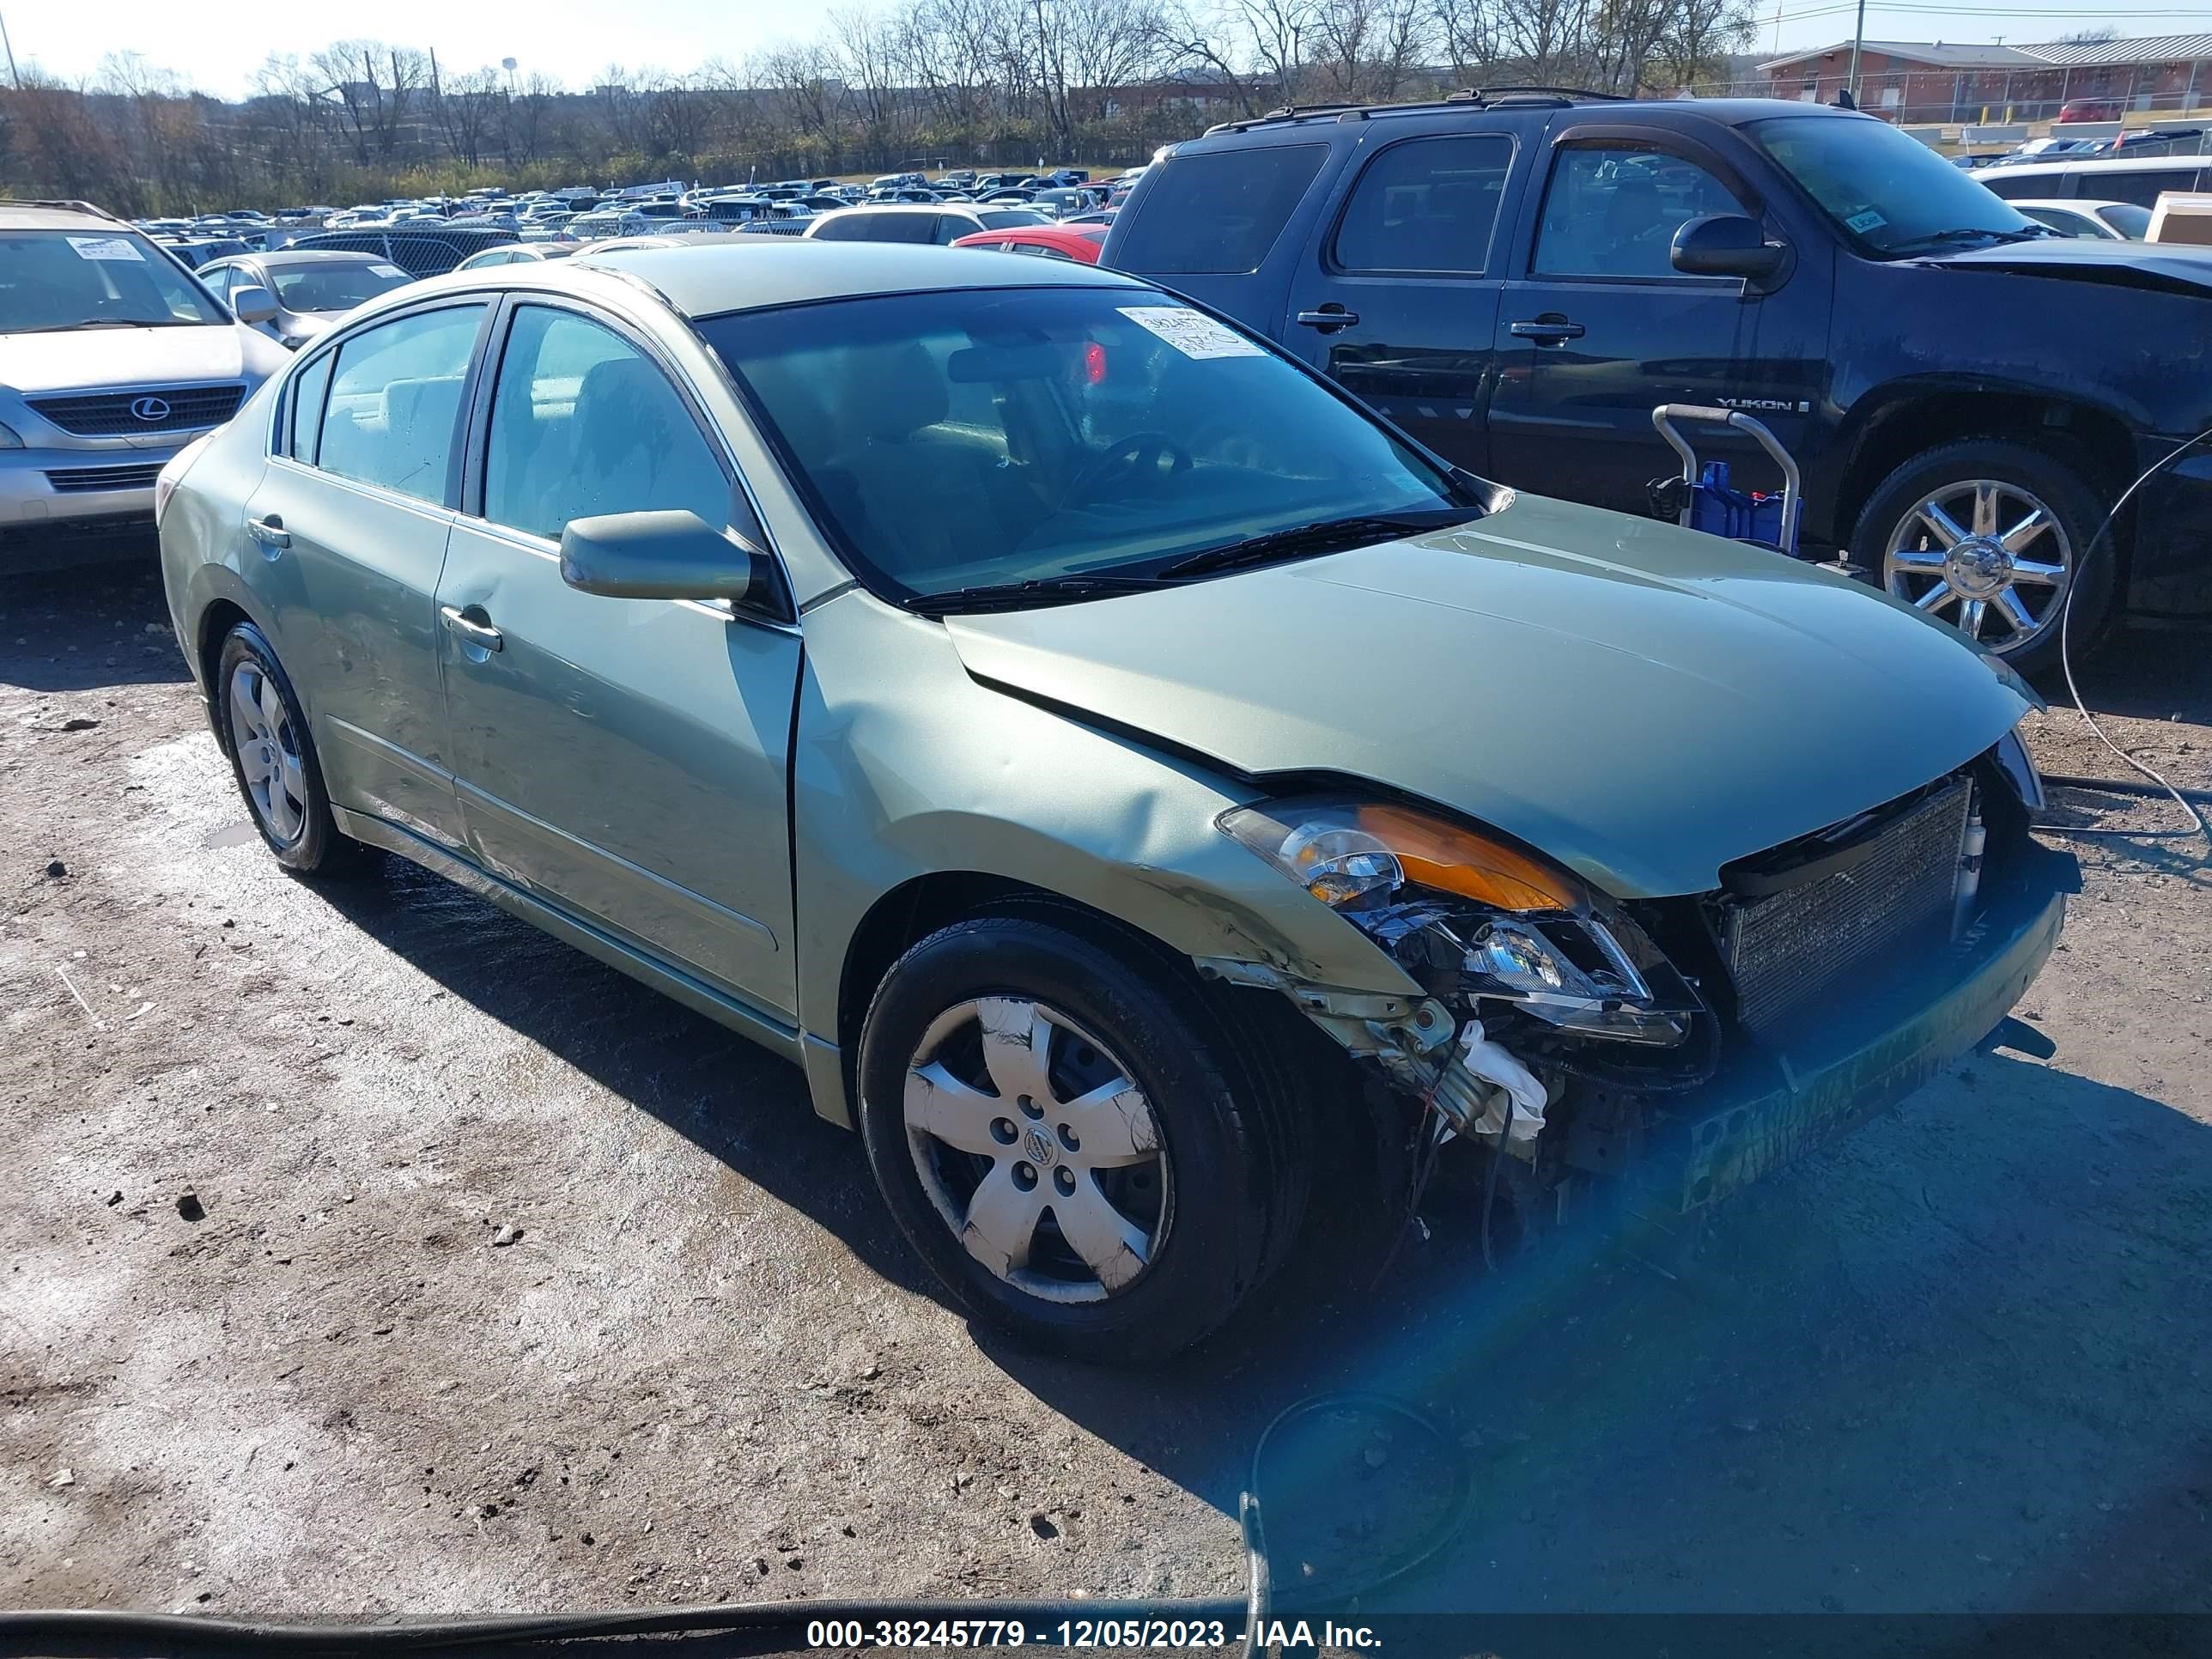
column 211, row 628
column 1912, row 417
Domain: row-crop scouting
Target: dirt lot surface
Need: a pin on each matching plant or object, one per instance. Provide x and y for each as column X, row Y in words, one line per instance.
column 1958, row 1362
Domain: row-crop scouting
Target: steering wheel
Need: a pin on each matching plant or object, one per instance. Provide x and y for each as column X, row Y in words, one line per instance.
column 1137, row 456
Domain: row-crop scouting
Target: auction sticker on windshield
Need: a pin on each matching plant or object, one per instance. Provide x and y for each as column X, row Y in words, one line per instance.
column 106, row 247
column 1191, row 332
column 385, row 271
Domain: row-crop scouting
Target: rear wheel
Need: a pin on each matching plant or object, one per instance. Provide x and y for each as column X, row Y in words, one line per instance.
column 273, row 758
column 1061, row 1131
column 1991, row 536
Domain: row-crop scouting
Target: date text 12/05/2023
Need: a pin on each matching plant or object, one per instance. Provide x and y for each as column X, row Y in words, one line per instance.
column 1116, row 1633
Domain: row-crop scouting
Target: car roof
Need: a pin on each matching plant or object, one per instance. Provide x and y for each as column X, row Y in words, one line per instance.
column 1729, row 111
column 316, row 256
column 2090, row 168
column 2078, row 204
column 59, row 215
column 738, row 276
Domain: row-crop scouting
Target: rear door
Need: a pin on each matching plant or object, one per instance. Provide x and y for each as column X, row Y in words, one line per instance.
column 1397, row 297
column 353, row 516
column 623, row 758
column 1597, row 327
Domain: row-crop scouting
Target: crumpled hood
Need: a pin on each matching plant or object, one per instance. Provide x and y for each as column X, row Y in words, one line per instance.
column 2157, row 267
column 1644, row 703
column 88, row 358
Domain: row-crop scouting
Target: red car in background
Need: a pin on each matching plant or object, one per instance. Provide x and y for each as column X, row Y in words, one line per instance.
column 2090, row 109
column 1080, row 243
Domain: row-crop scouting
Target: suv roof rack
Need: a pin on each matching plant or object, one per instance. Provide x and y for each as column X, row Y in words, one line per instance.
column 64, row 205
column 1531, row 92
column 1477, row 97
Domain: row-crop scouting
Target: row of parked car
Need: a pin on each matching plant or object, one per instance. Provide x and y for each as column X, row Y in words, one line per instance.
column 1519, row 295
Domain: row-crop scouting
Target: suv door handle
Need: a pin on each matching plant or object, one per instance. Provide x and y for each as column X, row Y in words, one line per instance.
column 269, row 531
column 1328, row 317
column 472, row 630
column 1548, row 331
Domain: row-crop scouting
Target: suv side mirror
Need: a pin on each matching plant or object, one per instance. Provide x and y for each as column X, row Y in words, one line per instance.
column 250, row 302
column 667, row 554
column 1725, row 245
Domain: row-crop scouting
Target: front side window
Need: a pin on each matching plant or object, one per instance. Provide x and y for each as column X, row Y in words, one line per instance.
column 1613, row 212
column 1429, row 204
column 1890, row 193
column 977, row 437
column 395, row 401
column 583, row 423
column 1219, row 212
column 53, row 280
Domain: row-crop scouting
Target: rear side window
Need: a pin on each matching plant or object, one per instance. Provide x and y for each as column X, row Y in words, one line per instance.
column 396, row 399
column 1429, row 204
column 2143, row 189
column 1219, row 212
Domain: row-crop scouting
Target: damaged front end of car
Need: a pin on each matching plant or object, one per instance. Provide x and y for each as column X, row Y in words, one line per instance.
column 1672, row 1047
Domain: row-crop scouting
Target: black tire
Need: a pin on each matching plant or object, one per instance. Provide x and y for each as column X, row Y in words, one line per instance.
column 2077, row 505
column 318, row 848
column 1234, row 1172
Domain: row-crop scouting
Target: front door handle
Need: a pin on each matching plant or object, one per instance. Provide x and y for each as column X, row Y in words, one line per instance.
column 473, row 627
column 1329, row 318
column 1548, row 331
column 269, row 531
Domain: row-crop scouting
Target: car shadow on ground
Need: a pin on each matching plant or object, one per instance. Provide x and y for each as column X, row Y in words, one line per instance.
column 81, row 629
column 1949, row 1363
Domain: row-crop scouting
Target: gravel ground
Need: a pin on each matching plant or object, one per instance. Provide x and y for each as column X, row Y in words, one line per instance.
column 368, row 1252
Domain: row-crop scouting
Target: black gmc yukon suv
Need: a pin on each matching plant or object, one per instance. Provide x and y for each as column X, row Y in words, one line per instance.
column 1518, row 277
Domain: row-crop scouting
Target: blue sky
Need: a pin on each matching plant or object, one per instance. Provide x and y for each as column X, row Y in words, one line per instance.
column 218, row 48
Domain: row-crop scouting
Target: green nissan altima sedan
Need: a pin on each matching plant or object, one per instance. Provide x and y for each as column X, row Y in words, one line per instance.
column 1151, row 798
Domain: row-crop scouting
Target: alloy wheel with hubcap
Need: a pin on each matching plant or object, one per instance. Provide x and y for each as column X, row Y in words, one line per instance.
column 1037, row 1149
column 269, row 758
column 1989, row 557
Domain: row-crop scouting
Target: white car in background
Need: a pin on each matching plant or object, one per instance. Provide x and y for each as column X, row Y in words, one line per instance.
column 2095, row 221
column 113, row 358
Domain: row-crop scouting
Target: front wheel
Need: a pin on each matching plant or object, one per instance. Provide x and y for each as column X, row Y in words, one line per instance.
column 1060, row 1132
column 1991, row 536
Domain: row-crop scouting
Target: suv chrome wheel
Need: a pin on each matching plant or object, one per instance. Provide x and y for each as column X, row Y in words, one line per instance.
column 268, row 754
column 1988, row 556
column 1037, row 1149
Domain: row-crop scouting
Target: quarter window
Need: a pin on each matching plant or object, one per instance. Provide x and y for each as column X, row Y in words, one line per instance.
column 1430, row 204
column 395, row 401
column 1221, row 211
column 583, row 423
column 308, row 393
column 1614, row 212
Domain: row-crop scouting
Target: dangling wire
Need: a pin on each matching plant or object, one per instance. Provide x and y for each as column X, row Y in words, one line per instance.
column 2196, row 826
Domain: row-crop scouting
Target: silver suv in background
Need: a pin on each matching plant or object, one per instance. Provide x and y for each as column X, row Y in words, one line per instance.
column 113, row 358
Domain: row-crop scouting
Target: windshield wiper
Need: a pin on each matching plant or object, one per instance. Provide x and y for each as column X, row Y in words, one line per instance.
column 109, row 322
column 1033, row 591
column 1325, row 535
column 1964, row 233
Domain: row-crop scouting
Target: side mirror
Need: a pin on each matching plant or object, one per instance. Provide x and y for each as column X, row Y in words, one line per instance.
column 669, row 554
column 1725, row 245
column 252, row 303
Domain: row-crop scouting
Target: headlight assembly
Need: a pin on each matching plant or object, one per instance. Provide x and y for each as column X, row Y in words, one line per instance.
column 1472, row 914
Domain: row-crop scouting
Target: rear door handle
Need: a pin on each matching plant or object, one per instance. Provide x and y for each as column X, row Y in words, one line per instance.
column 1328, row 317
column 1548, row 331
column 475, row 631
column 269, row 531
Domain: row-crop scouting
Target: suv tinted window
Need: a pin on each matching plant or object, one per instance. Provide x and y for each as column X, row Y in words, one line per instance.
column 1221, row 211
column 395, row 400
column 1614, row 212
column 878, row 228
column 2143, row 189
column 582, row 423
column 1427, row 204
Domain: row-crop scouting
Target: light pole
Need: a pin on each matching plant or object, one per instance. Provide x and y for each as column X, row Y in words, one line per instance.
column 1859, row 39
column 13, row 74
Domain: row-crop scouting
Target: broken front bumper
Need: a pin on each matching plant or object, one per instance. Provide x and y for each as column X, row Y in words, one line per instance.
column 1759, row 1115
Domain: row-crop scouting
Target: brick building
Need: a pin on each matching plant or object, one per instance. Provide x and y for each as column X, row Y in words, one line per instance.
column 1908, row 80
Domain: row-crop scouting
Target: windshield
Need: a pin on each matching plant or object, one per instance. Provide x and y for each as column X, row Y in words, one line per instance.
column 53, row 279
column 1892, row 193
column 981, row 437
column 333, row 287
